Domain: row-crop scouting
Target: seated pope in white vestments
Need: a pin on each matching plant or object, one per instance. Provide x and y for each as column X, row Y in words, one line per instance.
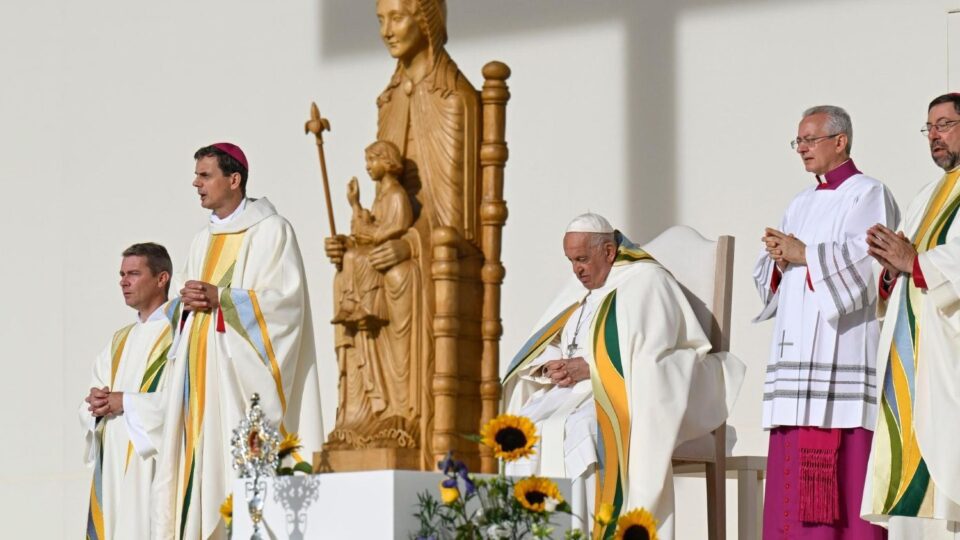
column 122, row 416
column 615, row 376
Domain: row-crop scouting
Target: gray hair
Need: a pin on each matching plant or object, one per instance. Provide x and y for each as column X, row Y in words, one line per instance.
column 838, row 121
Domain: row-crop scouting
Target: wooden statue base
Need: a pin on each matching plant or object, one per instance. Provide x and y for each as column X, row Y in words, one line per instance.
column 366, row 459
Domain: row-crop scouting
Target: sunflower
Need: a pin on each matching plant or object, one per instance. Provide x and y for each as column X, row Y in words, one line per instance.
column 289, row 444
column 510, row 437
column 534, row 493
column 449, row 495
column 226, row 509
column 636, row 525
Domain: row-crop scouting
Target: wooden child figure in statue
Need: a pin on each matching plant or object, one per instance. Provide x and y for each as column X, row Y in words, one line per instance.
column 361, row 302
column 374, row 355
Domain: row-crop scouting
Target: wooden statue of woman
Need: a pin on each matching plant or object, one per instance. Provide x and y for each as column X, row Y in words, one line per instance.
column 430, row 112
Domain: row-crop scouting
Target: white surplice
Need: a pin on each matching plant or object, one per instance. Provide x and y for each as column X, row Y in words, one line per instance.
column 128, row 441
column 261, row 341
column 822, row 366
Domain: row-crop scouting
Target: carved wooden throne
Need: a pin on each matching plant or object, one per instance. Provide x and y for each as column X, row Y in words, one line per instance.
column 467, row 275
column 456, row 384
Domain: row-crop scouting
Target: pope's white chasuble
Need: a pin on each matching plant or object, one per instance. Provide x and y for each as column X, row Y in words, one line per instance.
column 653, row 384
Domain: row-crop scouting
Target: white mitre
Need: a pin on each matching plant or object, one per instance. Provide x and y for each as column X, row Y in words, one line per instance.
column 590, row 223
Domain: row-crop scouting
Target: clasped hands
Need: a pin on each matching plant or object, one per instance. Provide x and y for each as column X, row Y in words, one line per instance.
column 784, row 248
column 103, row 402
column 893, row 250
column 199, row 296
column 567, row 372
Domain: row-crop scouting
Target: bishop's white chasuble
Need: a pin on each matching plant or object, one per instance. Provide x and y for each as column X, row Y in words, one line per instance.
column 260, row 340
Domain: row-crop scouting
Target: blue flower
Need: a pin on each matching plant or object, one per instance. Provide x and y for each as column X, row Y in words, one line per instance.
column 454, row 469
column 467, row 481
column 447, row 464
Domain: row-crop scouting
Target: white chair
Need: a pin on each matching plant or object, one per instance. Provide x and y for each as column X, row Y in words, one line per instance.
column 704, row 270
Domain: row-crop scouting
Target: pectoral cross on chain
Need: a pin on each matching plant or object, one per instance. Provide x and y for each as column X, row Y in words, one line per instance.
column 784, row 343
column 573, row 347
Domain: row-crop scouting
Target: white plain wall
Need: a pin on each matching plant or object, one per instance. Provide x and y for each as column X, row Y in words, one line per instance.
column 652, row 113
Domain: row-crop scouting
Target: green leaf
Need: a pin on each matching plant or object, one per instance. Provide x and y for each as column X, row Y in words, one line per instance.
column 303, row 467
column 472, row 437
column 284, row 471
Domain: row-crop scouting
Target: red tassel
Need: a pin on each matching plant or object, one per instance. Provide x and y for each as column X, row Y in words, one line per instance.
column 221, row 327
column 918, row 278
column 819, row 492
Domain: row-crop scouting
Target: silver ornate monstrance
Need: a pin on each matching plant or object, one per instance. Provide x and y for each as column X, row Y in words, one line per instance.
column 255, row 444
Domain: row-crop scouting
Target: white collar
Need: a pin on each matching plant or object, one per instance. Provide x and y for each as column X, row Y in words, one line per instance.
column 235, row 213
column 157, row 315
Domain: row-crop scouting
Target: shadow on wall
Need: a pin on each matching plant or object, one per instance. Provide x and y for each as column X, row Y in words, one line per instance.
column 650, row 74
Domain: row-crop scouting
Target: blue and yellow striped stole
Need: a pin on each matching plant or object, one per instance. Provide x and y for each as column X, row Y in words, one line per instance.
column 218, row 269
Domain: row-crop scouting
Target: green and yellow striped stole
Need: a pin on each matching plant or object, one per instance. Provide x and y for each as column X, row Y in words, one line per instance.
column 903, row 481
column 95, row 526
column 156, row 362
column 613, row 411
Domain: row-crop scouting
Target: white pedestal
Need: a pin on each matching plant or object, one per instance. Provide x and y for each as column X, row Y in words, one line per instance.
column 371, row 505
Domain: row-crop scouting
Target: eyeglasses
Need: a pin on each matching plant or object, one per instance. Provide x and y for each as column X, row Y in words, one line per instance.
column 943, row 126
column 809, row 141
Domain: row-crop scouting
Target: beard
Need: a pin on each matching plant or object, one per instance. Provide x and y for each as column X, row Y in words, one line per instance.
column 947, row 160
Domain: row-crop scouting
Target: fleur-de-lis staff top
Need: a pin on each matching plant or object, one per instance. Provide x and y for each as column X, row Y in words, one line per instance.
column 317, row 125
